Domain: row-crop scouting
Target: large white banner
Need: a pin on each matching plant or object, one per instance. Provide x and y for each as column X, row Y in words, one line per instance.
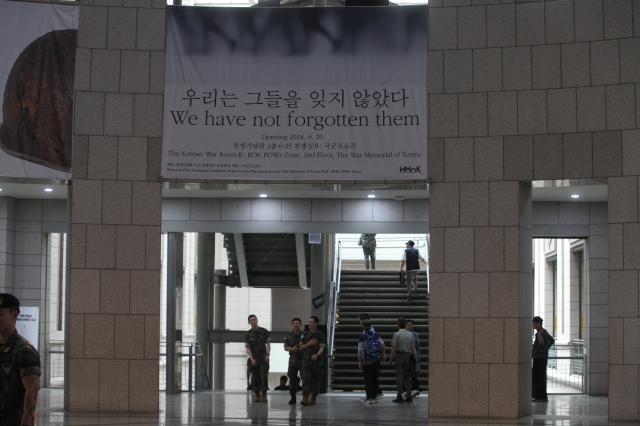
column 37, row 61
column 296, row 93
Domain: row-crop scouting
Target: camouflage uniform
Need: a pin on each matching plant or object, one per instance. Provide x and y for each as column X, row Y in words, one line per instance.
column 295, row 361
column 312, row 370
column 17, row 360
column 256, row 341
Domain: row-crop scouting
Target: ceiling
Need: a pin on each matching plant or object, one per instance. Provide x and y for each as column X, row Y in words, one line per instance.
column 588, row 191
column 33, row 190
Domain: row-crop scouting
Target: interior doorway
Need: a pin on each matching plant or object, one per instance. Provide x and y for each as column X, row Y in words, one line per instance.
column 560, row 274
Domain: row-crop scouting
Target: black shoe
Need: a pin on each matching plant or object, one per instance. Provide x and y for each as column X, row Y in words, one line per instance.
column 408, row 400
column 541, row 400
column 398, row 400
column 292, row 401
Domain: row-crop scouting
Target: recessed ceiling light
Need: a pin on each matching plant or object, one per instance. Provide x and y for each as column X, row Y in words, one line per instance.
column 262, row 195
column 575, row 196
column 0, row 189
column 48, row 190
column 371, row 196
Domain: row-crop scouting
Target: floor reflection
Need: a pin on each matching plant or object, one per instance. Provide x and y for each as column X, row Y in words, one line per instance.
column 340, row 409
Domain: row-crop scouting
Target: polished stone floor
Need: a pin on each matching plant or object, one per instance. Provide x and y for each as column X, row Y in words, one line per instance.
column 234, row 408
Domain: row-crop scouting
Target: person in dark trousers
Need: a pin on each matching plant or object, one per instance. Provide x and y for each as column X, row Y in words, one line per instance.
column 415, row 363
column 411, row 258
column 368, row 244
column 249, row 368
column 370, row 354
column 403, row 347
column 258, row 346
column 19, row 369
column 540, row 353
column 313, row 344
column 292, row 344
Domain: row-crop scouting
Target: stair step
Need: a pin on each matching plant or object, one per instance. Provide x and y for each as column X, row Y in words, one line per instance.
column 379, row 294
column 375, row 273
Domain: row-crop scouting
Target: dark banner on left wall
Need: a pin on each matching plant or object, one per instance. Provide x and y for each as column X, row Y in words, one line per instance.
column 37, row 64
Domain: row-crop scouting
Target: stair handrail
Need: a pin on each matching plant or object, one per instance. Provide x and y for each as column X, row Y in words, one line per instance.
column 427, row 256
column 335, row 294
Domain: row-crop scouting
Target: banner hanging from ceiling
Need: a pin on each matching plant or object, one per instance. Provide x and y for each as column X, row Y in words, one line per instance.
column 37, row 63
column 296, row 93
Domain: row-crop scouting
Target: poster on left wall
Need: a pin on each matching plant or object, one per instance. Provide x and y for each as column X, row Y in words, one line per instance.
column 37, row 64
column 28, row 323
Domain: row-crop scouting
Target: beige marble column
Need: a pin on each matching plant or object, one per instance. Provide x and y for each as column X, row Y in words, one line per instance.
column 624, row 313
column 481, row 297
column 114, row 288
column 521, row 91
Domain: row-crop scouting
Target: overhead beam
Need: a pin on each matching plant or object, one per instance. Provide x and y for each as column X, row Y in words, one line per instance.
column 228, row 336
column 241, row 259
column 302, row 262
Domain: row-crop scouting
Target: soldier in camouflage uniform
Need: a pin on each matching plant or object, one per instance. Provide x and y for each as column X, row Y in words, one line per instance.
column 313, row 344
column 19, row 369
column 258, row 346
column 292, row 344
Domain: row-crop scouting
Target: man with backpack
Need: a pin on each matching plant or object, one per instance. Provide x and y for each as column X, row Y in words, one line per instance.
column 411, row 257
column 370, row 354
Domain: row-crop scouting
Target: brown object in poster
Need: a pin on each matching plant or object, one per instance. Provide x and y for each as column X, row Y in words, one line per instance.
column 38, row 102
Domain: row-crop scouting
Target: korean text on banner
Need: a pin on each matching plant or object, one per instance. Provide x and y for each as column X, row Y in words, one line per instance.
column 296, row 93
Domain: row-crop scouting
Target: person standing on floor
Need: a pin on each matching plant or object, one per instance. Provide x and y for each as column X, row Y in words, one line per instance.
column 19, row 369
column 368, row 244
column 540, row 354
column 411, row 258
column 258, row 346
column 292, row 344
column 313, row 344
column 370, row 354
column 403, row 348
column 415, row 363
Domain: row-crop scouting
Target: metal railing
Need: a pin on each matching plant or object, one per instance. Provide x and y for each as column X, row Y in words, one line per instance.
column 388, row 251
column 335, row 294
column 190, row 356
column 566, row 368
column 55, row 373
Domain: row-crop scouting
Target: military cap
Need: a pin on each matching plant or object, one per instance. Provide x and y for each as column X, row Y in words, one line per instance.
column 9, row 301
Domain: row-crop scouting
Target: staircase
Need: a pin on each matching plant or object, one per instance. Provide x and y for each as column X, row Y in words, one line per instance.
column 271, row 260
column 379, row 294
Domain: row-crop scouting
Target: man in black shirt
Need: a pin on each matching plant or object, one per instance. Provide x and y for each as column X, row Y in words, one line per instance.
column 313, row 344
column 19, row 369
column 292, row 344
column 540, row 353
